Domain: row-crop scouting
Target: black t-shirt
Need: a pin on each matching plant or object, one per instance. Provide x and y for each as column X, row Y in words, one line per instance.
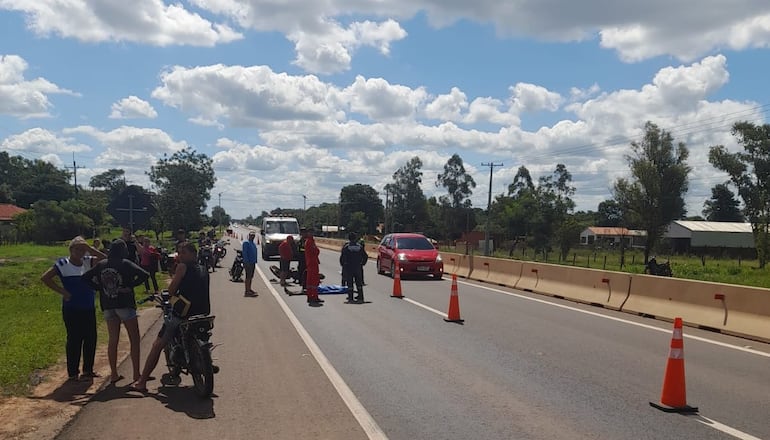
column 131, row 248
column 115, row 280
column 195, row 287
column 352, row 255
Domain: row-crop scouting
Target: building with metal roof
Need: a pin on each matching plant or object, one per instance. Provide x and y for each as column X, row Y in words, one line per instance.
column 611, row 236
column 685, row 235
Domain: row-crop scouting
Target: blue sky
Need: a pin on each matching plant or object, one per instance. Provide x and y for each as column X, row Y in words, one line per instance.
column 304, row 97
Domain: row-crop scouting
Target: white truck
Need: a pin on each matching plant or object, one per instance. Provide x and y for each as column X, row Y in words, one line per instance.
column 274, row 231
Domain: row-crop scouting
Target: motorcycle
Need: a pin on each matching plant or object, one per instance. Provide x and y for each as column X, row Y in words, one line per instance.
column 236, row 271
column 219, row 252
column 189, row 351
column 653, row 268
column 165, row 260
column 293, row 274
column 206, row 257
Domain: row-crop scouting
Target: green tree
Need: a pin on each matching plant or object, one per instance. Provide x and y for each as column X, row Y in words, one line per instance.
column 655, row 193
column 358, row 223
column 749, row 171
column 409, row 208
column 456, row 205
column 609, row 214
column 113, row 181
column 49, row 221
column 568, row 235
column 722, row 206
column 184, row 182
column 364, row 199
column 33, row 180
column 221, row 217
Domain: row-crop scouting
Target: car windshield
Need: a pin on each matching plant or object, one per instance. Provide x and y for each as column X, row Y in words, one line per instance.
column 281, row 228
column 417, row 243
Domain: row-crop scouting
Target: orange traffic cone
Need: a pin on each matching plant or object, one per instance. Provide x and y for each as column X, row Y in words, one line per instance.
column 454, row 304
column 673, row 397
column 397, row 283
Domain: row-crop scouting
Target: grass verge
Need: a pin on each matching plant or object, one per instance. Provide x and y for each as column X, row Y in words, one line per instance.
column 32, row 332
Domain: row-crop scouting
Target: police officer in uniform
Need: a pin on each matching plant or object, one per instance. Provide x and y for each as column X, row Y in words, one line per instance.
column 351, row 259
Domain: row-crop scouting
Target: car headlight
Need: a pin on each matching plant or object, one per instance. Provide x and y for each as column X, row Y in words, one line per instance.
column 438, row 258
column 267, row 241
column 401, row 257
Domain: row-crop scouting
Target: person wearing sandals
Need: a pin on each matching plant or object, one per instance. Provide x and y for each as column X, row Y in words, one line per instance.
column 78, row 305
column 115, row 278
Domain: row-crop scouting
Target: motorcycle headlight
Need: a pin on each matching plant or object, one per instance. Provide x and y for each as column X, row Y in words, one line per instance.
column 438, row 258
column 267, row 241
column 402, row 257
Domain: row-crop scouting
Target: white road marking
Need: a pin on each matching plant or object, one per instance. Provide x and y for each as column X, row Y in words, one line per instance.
column 613, row 318
column 430, row 309
column 367, row 422
column 724, row 428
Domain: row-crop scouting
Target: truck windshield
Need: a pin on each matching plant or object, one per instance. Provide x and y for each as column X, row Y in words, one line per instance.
column 281, row 228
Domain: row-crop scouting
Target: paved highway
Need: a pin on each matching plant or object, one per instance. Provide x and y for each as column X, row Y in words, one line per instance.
column 523, row 366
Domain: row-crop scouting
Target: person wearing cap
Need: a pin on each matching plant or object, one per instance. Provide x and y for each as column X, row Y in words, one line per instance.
column 312, row 263
column 249, row 252
column 78, row 304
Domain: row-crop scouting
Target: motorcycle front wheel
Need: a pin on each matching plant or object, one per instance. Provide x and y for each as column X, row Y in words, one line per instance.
column 201, row 370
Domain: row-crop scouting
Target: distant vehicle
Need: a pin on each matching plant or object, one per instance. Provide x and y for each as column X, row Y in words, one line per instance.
column 415, row 254
column 274, row 231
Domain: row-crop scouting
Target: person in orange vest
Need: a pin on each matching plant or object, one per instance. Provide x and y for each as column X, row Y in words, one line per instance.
column 286, row 252
column 313, row 277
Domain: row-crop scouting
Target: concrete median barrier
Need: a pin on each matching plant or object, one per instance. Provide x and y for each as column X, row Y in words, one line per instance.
column 738, row 310
column 500, row 271
column 591, row 286
column 529, row 280
column 458, row 264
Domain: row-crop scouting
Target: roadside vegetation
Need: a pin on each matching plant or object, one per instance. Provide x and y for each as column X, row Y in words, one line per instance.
column 32, row 333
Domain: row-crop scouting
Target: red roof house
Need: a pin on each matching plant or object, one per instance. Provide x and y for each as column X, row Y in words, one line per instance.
column 7, row 211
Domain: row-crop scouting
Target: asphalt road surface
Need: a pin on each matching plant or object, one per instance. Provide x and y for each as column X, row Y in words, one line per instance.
column 522, row 366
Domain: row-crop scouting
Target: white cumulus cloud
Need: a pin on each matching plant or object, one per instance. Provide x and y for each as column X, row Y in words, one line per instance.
column 143, row 21
column 132, row 107
column 42, row 141
column 24, row 98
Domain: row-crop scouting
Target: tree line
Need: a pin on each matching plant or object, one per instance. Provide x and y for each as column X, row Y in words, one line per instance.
column 58, row 210
column 537, row 213
column 540, row 213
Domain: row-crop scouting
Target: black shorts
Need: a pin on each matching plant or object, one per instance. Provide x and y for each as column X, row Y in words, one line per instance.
column 284, row 265
column 249, row 269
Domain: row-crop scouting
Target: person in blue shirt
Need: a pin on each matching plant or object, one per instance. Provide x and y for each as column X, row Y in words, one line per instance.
column 249, row 250
column 78, row 305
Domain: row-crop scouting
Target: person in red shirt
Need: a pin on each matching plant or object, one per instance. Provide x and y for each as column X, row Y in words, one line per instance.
column 149, row 258
column 286, row 252
column 311, row 266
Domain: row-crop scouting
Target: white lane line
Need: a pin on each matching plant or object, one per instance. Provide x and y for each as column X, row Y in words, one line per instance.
column 430, row 309
column 625, row 321
column 367, row 422
column 724, row 428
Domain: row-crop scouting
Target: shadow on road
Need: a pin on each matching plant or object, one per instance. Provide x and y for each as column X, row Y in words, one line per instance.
column 75, row 392
column 183, row 399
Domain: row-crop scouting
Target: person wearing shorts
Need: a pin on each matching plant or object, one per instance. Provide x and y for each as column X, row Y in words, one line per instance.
column 115, row 278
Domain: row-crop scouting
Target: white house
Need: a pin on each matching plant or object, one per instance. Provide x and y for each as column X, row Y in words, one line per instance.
column 606, row 236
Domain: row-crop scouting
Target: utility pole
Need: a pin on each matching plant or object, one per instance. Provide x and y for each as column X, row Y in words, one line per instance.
column 387, row 200
column 75, row 171
column 304, row 203
column 491, row 166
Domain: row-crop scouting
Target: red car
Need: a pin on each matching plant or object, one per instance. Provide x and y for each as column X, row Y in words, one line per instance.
column 415, row 254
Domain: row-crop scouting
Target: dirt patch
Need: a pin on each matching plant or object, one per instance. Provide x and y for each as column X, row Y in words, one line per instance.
column 54, row 401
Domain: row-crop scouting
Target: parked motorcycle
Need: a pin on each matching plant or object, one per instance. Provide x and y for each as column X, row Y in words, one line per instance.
column 236, row 270
column 293, row 274
column 653, row 268
column 189, row 351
